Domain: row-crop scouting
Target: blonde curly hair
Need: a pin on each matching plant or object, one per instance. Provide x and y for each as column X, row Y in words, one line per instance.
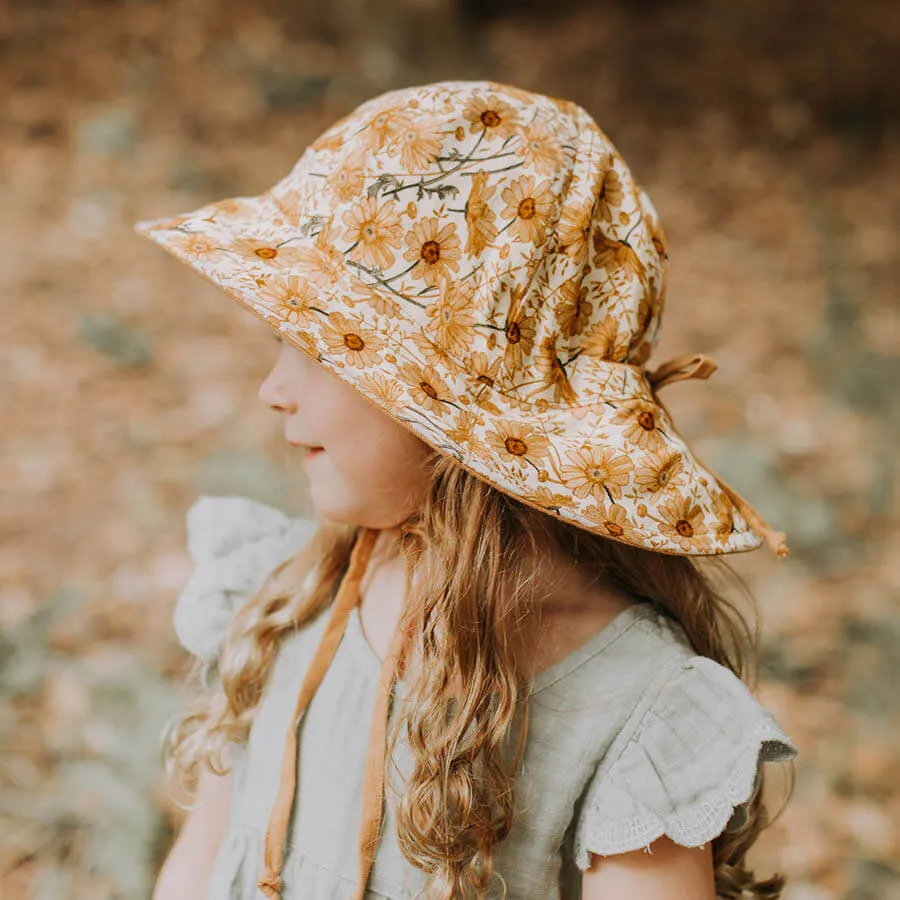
column 467, row 541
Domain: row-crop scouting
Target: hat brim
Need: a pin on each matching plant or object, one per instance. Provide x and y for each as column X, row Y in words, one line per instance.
column 615, row 467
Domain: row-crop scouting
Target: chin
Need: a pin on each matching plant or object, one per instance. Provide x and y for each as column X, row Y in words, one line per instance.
column 328, row 504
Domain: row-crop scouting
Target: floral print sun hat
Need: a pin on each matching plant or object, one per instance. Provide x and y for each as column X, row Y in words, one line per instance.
column 479, row 262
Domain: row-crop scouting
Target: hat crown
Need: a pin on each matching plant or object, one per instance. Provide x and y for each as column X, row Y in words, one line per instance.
column 501, row 222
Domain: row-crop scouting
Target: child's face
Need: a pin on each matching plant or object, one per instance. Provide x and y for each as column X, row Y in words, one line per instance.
column 370, row 468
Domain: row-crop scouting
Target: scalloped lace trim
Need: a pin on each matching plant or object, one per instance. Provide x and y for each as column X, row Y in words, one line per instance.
column 702, row 821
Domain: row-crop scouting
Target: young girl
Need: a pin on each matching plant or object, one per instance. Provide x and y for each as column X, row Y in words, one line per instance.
column 491, row 664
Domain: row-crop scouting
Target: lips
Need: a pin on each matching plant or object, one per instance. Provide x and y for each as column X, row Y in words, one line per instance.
column 309, row 450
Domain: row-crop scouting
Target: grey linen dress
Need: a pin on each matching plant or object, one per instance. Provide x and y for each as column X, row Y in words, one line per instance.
column 631, row 736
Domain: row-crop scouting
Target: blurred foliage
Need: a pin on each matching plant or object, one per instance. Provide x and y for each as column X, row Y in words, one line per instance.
column 766, row 133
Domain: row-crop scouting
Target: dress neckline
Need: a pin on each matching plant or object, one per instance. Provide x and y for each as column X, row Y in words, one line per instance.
column 562, row 668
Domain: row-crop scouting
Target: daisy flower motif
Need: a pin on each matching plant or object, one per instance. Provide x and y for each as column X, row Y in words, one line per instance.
column 272, row 254
column 611, row 194
column 606, row 340
column 385, row 125
column 597, row 472
column 492, row 116
column 290, row 296
column 321, row 262
column 517, row 441
column 615, row 255
column 385, row 390
column 573, row 309
column 575, row 226
column 640, row 424
column 453, row 318
column 348, row 179
column 435, row 251
column 373, row 231
column 351, row 342
column 480, row 217
column 723, row 510
column 540, row 148
column 659, row 472
column 682, row 521
column 530, row 207
column 420, row 143
column 519, row 333
column 194, row 246
column 613, row 519
column 428, row 390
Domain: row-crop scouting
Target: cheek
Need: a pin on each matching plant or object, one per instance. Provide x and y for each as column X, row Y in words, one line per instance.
column 374, row 470
column 373, row 452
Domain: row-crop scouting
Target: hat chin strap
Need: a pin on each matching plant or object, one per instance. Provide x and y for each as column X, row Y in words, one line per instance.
column 701, row 366
column 373, row 779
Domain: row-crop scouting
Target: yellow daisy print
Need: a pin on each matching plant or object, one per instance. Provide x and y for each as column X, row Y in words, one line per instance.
column 384, row 390
column 597, row 472
column 373, row 230
column 682, row 521
column 193, row 246
column 659, row 472
column 573, row 309
column 491, row 116
column 575, row 227
column 385, row 125
column 540, row 149
column 517, row 442
column 480, row 217
column 291, row 296
column 519, row 332
column 420, row 144
column 348, row 179
column 452, row 319
column 606, row 340
column 530, row 207
column 433, row 250
column 349, row 341
column 611, row 194
column 426, row 387
column 613, row 520
column 271, row 254
column 614, row 255
column 640, row 421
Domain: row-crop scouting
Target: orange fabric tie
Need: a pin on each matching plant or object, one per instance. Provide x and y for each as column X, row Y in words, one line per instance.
column 701, row 366
column 270, row 882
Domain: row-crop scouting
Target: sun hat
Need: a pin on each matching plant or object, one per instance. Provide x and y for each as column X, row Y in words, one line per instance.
column 479, row 262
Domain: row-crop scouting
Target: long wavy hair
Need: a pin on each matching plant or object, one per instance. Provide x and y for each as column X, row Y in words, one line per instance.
column 467, row 544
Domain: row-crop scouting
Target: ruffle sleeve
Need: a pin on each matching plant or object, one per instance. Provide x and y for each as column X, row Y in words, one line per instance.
column 234, row 543
column 689, row 770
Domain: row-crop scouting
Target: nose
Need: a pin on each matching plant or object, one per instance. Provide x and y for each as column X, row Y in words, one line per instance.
column 272, row 392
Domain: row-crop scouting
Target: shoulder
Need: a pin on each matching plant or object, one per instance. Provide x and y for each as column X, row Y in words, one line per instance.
column 234, row 543
column 686, row 764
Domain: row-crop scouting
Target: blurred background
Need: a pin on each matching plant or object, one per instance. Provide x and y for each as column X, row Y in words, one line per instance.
column 766, row 133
